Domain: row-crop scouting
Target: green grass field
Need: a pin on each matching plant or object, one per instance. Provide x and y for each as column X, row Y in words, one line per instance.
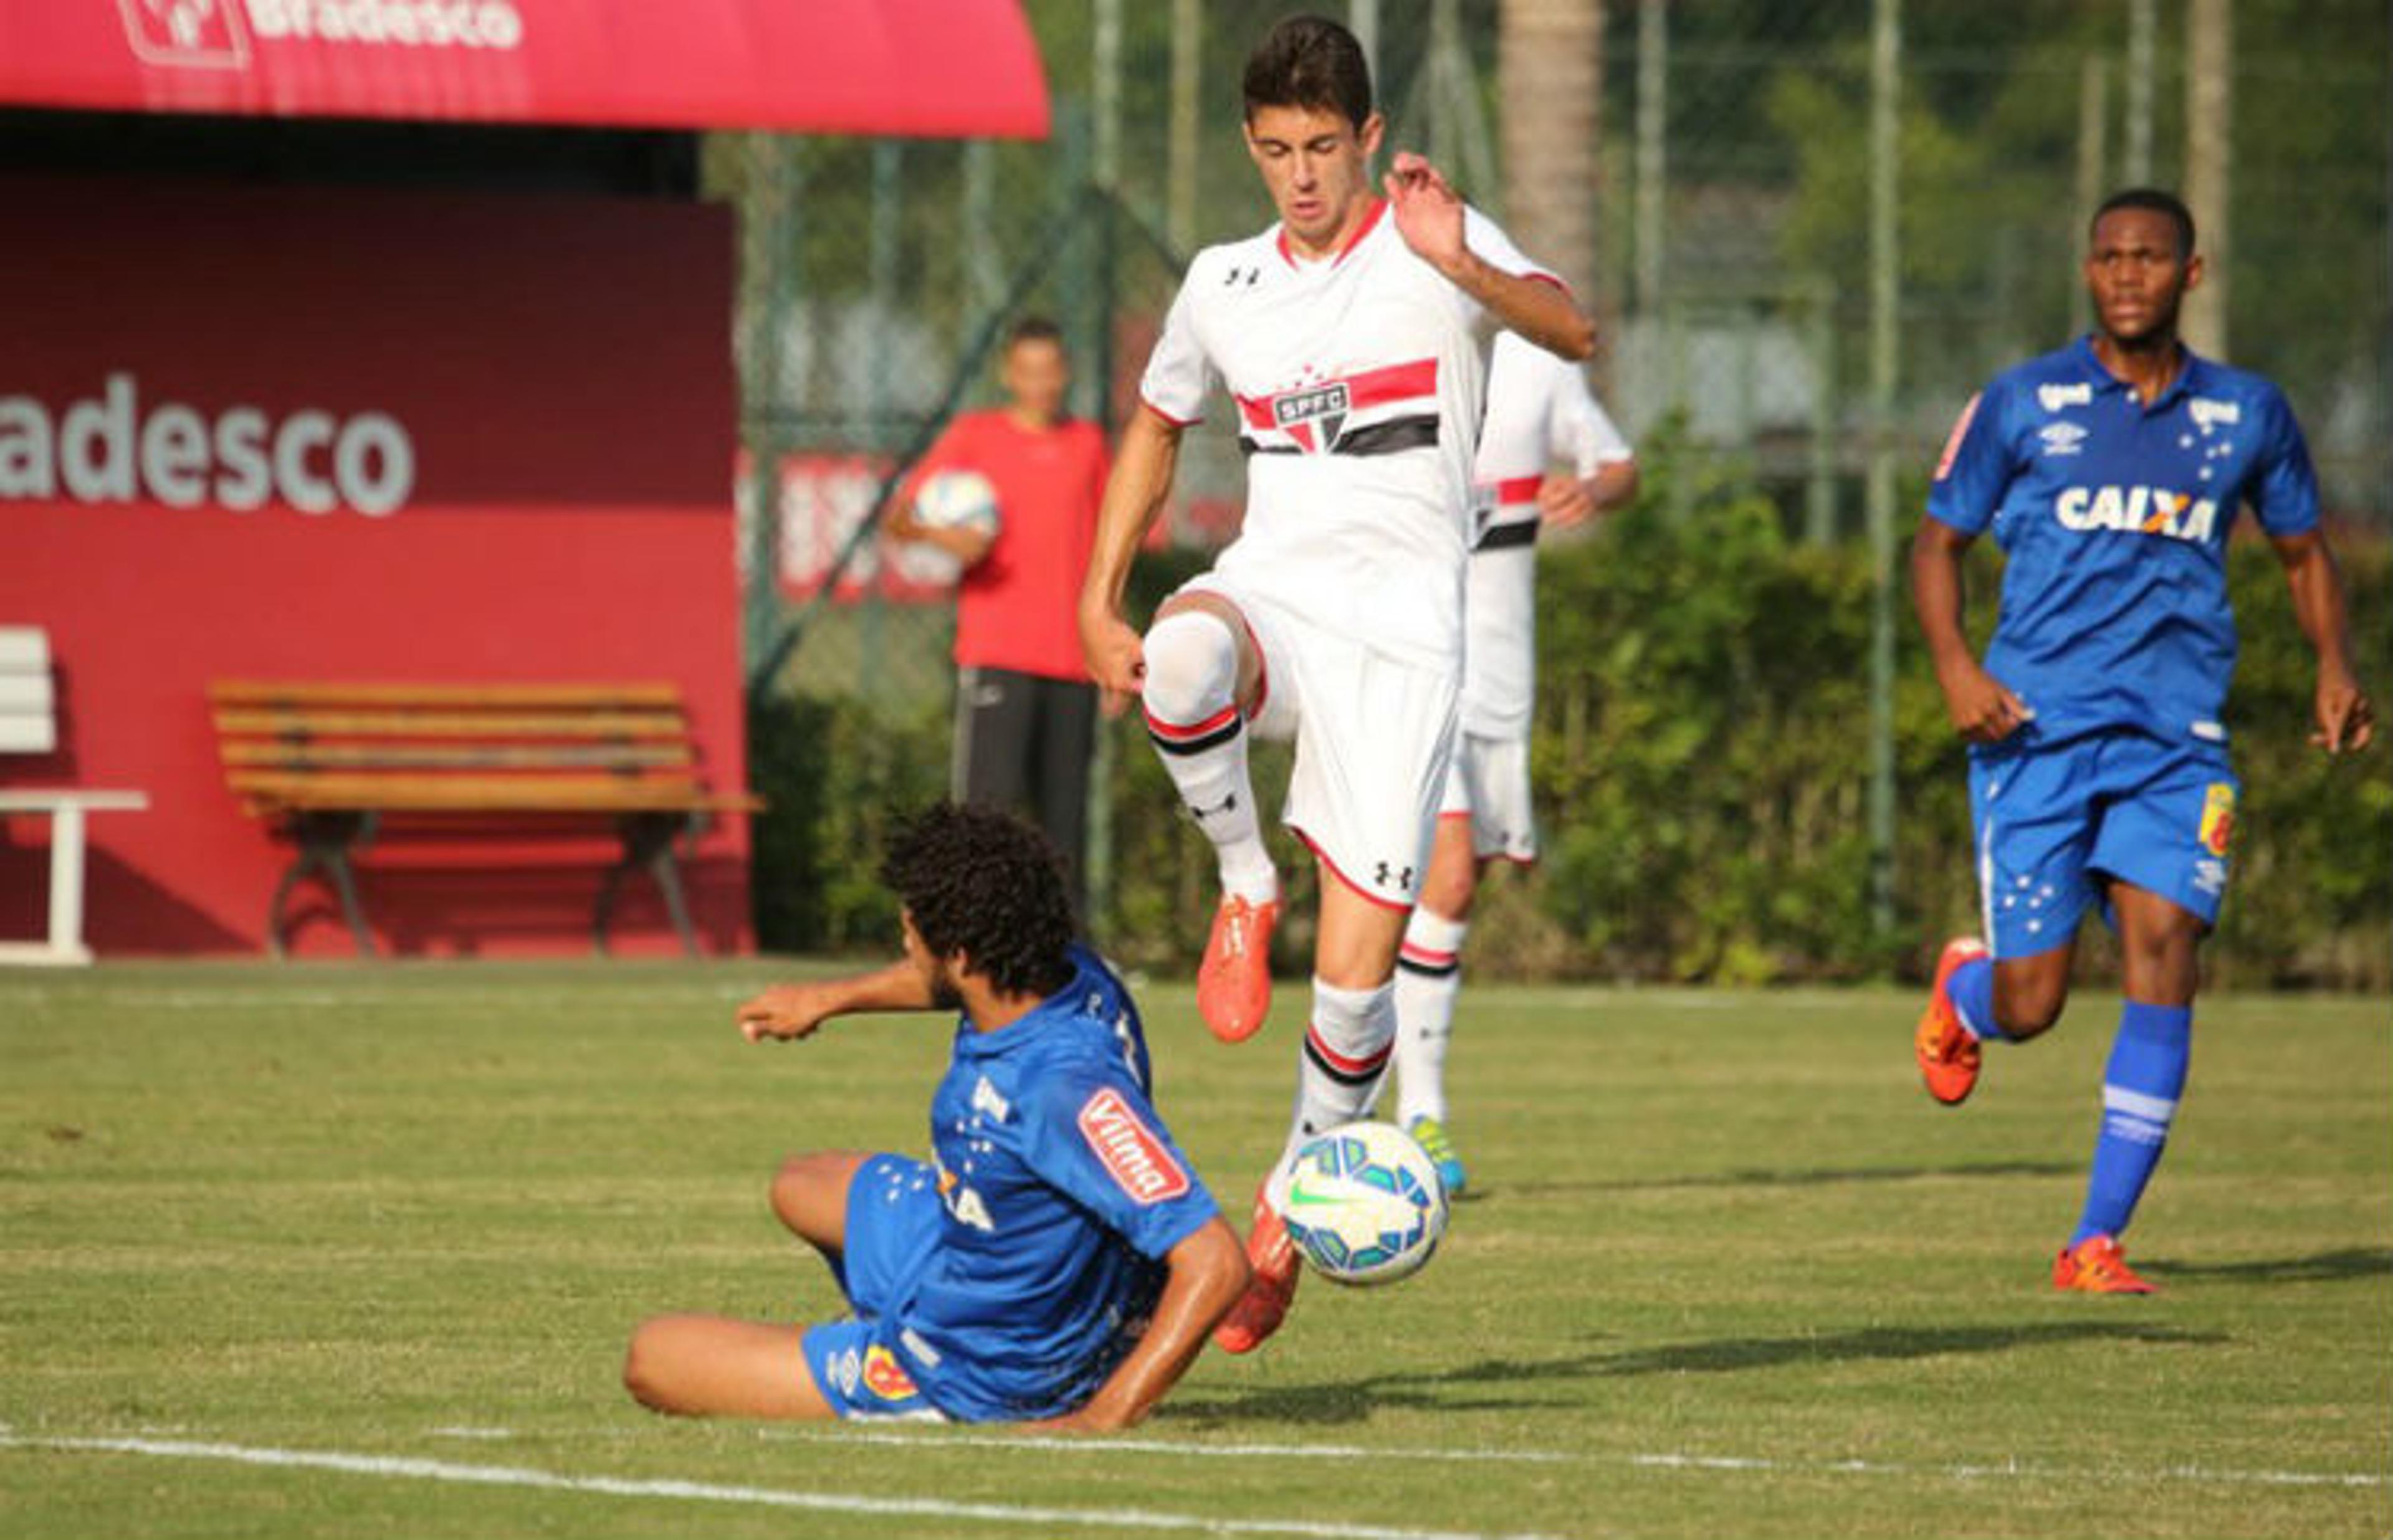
column 324, row 1251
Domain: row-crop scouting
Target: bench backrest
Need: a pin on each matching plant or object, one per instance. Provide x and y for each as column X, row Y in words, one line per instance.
column 595, row 745
column 29, row 702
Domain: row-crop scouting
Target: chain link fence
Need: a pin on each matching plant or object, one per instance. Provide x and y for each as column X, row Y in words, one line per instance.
column 1733, row 274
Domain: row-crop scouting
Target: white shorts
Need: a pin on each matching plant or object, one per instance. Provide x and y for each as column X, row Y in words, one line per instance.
column 1489, row 783
column 1373, row 735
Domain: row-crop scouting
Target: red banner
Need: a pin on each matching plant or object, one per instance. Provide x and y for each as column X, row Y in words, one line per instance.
column 938, row 67
column 358, row 435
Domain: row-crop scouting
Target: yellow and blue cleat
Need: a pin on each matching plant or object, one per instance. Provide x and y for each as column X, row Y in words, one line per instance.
column 1431, row 1135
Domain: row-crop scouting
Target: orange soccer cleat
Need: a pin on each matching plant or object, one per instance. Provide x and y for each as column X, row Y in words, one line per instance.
column 1948, row 1055
column 1276, row 1265
column 2096, row 1265
column 1234, row 980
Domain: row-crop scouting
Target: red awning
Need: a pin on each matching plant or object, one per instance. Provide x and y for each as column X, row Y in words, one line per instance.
column 920, row 67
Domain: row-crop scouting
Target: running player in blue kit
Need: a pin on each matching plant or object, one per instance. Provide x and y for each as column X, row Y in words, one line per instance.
column 2109, row 472
column 1057, row 1261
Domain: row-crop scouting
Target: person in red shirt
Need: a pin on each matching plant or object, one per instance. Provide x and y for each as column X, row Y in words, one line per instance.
column 1026, row 710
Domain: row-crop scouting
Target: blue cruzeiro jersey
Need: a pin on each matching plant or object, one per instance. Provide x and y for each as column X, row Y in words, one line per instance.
column 1062, row 1191
column 2113, row 516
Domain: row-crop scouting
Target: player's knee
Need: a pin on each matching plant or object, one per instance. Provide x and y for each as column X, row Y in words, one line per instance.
column 810, row 1195
column 1447, row 894
column 1192, row 667
column 2028, row 1011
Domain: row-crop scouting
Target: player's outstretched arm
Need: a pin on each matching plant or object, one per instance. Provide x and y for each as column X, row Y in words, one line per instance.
column 2345, row 720
column 1144, row 468
column 1429, row 216
column 1984, row 711
column 796, row 1010
column 1209, row 1273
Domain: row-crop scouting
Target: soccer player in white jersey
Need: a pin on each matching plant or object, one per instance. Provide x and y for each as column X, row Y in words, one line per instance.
column 1351, row 336
column 1539, row 413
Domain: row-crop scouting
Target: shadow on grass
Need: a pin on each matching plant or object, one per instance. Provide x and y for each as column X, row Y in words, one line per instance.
column 1452, row 1389
column 2325, row 1267
column 1812, row 1176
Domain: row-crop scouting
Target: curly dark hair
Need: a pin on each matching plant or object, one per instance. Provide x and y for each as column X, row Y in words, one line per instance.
column 1313, row 62
column 987, row 884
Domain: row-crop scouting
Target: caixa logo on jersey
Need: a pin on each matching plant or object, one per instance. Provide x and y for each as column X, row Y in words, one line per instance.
column 115, row 446
column 2137, row 510
column 1313, row 417
column 1133, row 1154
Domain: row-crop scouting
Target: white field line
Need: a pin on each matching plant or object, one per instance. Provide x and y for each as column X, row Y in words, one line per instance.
column 2005, row 1470
column 2009, row 1469
column 403, row 1469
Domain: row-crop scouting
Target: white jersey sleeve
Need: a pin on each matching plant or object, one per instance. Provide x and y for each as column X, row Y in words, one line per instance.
column 1178, row 375
column 1578, row 430
column 1490, row 244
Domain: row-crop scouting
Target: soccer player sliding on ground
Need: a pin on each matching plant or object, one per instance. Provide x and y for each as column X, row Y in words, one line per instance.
column 1351, row 336
column 2109, row 472
column 1056, row 1260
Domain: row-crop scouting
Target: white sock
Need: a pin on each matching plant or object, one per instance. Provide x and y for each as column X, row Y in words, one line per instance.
column 1429, row 975
column 1190, row 699
column 1343, row 1060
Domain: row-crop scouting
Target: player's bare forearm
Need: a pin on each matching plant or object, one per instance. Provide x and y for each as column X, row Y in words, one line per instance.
column 2343, row 715
column 796, row 1010
column 1613, row 485
column 1429, row 214
column 1209, row 1273
column 1142, row 477
column 1981, row 708
column 1538, row 308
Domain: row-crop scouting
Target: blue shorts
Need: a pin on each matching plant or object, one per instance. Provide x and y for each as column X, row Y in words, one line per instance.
column 893, row 1226
column 2053, row 820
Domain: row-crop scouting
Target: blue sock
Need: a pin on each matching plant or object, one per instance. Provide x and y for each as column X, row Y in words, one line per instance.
column 2140, row 1094
column 1971, row 987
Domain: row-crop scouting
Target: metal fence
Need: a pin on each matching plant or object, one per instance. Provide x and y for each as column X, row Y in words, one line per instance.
column 1812, row 229
column 1730, row 208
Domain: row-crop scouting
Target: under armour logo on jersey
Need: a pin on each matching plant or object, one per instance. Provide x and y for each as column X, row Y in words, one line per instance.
column 1403, row 877
column 1242, row 277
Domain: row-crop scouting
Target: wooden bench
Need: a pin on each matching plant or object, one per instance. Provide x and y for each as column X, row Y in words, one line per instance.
column 29, row 725
column 330, row 763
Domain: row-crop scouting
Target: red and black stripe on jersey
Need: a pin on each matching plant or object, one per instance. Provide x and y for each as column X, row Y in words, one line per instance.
column 1377, row 411
column 1505, row 534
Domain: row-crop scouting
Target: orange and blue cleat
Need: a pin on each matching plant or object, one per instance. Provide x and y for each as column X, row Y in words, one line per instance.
column 1277, row 1264
column 1234, row 979
column 2096, row 1265
column 1948, row 1055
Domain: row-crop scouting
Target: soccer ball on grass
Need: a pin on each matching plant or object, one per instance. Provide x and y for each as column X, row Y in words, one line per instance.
column 1364, row 1204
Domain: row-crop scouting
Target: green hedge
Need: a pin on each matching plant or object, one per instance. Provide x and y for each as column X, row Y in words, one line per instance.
column 1700, row 764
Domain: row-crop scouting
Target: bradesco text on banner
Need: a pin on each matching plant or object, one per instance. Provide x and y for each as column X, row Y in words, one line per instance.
column 113, row 449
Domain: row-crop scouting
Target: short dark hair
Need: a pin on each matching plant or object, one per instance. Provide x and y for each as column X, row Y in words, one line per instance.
column 1033, row 328
column 987, row 884
column 2158, row 202
column 1309, row 61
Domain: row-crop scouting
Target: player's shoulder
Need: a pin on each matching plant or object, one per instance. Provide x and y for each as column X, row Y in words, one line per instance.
column 1085, row 1016
column 2223, row 382
column 2052, row 375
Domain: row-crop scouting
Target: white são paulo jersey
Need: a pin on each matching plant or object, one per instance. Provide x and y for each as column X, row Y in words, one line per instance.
column 1358, row 380
column 1539, row 411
